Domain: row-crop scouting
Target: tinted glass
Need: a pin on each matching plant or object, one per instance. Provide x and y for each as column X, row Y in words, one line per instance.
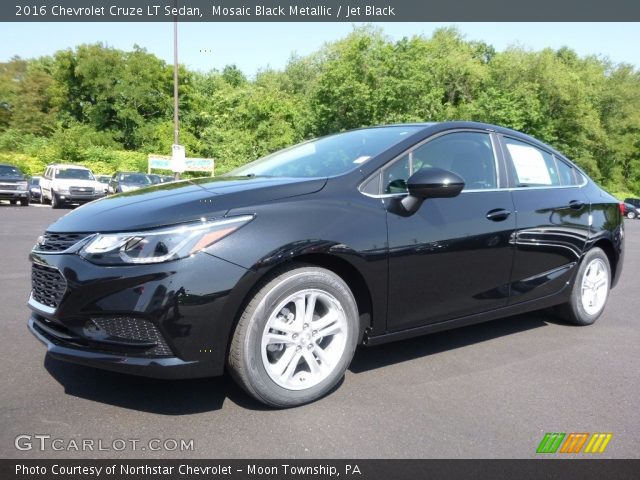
column 469, row 154
column 136, row 179
column 74, row 173
column 328, row 156
column 566, row 173
column 9, row 171
column 532, row 166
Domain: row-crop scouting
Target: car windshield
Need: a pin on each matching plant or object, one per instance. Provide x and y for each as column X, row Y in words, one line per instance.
column 9, row 171
column 135, row 179
column 328, row 156
column 35, row 181
column 74, row 173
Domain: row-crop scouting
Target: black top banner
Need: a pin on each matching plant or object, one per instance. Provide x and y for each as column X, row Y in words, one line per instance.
column 318, row 10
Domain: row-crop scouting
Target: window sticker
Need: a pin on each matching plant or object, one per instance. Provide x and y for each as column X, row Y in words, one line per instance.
column 529, row 164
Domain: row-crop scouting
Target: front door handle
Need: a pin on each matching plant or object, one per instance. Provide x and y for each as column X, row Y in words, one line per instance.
column 498, row 214
column 576, row 204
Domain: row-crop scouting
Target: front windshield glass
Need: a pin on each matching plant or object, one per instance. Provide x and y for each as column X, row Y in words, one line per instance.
column 9, row 171
column 136, row 179
column 328, row 156
column 74, row 173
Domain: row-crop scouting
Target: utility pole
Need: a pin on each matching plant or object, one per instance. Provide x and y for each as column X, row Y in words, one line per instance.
column 176, row 130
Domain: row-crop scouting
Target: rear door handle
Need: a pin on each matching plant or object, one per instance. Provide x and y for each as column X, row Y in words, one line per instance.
column 498, row 214
column 576, row 204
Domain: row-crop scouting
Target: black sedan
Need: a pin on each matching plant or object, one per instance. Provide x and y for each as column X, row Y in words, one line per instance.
column 277, row 271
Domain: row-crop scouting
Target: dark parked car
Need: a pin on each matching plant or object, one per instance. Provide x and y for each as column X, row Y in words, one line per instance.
column 633, row 201
column 630, row 211
column 279, row 270
column 155, row 178
column 13, row 185
column 35, row 194
column 128, row 181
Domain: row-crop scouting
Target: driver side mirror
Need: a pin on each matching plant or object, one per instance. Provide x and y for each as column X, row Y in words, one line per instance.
column 430, row 183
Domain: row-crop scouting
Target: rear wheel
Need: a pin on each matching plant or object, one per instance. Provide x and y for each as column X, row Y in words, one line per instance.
column 590, row 289
column 632, row 215
column 295, row 338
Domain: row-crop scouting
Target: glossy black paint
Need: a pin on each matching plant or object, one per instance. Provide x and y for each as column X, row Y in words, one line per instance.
column 473, row 257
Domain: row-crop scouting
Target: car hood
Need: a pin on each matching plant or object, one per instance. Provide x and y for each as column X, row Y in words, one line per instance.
column 179, row 202
column 74, row 182
column 12, row 178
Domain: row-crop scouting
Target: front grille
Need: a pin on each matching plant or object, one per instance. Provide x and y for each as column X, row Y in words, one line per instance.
column 8, row 186
column 47, row 285
column 58, row 242
column 81, row 191
column 131, row 330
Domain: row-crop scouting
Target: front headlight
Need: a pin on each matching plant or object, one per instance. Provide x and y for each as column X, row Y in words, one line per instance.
column 22, row 185
column 160, row 245
column 63, row 191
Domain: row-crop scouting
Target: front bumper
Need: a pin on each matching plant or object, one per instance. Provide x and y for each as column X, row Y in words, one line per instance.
column 74, row 198
column 13, row 194
column 182, row 301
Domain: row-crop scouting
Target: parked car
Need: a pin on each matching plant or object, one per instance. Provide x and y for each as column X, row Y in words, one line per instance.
column 630, row 211
column 128, row 181
column 155, row 178
column 104, row 180
column 13, row 185
column 278, row 270
column 35, row 194
column 64, row 184
column 633, row 201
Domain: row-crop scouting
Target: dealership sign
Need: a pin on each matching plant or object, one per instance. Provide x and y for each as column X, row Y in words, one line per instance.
column 165, row 162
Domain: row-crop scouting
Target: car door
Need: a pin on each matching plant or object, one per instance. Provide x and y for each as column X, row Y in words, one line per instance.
column 552, row 219
column 45, row 183
column 452, row 257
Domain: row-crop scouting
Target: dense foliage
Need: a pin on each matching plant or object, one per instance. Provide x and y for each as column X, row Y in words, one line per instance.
column 108, row 108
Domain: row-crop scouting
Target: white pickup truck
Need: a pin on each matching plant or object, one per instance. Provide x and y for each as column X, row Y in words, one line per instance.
column 62, row 184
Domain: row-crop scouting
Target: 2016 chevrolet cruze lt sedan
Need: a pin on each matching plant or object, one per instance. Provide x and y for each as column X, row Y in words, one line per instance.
column 279, row 270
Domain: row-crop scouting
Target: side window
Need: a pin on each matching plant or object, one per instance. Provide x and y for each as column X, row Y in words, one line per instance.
column 566, row 172
column 469, row 154
column 532, row 166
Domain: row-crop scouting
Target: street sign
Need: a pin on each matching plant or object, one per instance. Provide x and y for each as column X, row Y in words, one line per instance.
column 178, row 158
column 164, row 162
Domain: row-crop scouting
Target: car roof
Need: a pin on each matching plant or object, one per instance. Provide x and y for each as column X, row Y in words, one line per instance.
column 67, row 165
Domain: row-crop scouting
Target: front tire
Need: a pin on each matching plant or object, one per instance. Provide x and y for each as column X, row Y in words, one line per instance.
column 590, row 289
column 55, row 202
column 295, row 338
column 25, row 202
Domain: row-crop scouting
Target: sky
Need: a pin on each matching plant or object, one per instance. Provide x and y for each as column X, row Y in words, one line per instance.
column 256, row 46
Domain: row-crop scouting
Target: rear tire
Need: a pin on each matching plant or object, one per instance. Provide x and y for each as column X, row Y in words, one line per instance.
column 631, row 215
column 295, row 338
column 590, row 289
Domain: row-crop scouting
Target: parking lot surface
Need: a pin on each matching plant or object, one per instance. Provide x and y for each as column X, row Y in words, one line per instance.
column 486, row 391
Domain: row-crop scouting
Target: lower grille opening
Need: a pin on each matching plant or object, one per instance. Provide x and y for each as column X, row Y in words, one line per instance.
column 128, row 333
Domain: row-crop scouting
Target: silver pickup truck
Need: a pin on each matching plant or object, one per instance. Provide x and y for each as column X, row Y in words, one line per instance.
column 13, row 185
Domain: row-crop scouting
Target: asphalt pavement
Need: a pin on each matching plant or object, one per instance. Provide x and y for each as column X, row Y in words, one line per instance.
column 486, row 391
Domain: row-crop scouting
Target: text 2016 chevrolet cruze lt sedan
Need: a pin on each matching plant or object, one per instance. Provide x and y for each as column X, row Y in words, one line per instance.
column 279, row 270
